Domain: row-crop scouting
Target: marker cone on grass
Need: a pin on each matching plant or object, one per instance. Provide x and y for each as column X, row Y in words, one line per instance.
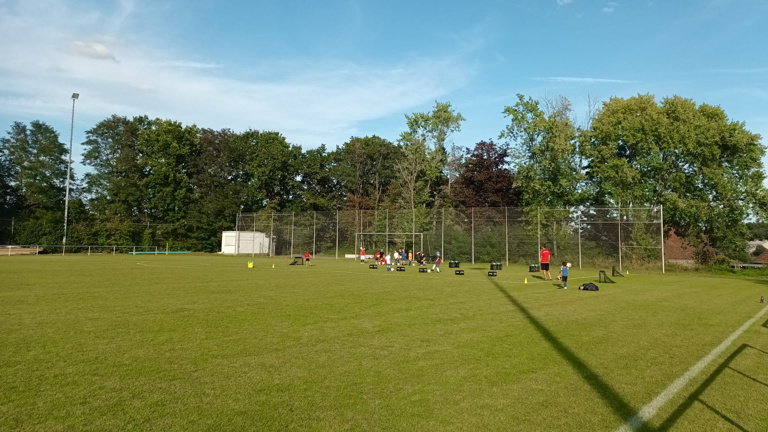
column 273, row 266
column 627, row 272
column 526, row 280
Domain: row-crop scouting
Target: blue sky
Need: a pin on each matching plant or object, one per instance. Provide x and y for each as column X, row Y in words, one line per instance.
column 322, row 71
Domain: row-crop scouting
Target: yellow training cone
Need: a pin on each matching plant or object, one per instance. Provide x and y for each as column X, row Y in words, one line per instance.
column 627, row 272
column 273, row 266
column 526, row 280
column 250, row 264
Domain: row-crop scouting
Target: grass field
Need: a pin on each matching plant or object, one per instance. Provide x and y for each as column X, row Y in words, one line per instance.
column 204, row 343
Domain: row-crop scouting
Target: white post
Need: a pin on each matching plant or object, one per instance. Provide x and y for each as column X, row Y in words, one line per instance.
column 538, row 209
column 237, row 233
column 337, row 234
column 580, row 208
column 293, row 216
column 386, row 237
column 442, row 233
column 272, row 236
column 69, row 167
column 89, row 250
column 253, row 237
column 506, row 234
column 113, row 250
column 314, row 235
column 472, row 212
column 619, row 237
column 663, row 263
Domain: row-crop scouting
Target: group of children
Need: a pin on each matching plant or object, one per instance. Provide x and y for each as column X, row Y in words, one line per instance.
column 400, row 257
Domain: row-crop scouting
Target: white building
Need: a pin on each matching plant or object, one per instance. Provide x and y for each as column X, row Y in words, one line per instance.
column 250, row 242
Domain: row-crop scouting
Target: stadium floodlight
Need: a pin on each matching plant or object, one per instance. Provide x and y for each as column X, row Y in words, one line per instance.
column 75, row 96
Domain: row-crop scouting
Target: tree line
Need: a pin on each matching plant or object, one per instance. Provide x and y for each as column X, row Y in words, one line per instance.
column 157, row 182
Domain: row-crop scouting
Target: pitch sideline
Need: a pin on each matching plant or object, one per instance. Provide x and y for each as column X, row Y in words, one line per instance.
column 653, row 407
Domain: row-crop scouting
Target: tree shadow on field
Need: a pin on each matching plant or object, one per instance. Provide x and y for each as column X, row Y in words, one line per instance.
column 609, row 395
column 696, row 395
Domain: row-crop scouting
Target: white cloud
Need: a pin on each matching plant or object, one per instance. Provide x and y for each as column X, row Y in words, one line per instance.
column 584, row 80
column 310, row 104
column 91, row 49
column 564, row 2
column 610, row 7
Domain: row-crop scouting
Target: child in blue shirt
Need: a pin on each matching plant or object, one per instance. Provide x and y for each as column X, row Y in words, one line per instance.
column 564, row 274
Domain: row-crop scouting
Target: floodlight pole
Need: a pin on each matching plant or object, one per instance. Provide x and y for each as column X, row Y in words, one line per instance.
column 69, row 169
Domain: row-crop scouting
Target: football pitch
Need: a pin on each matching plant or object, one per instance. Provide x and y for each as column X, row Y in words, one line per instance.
column 202, row 342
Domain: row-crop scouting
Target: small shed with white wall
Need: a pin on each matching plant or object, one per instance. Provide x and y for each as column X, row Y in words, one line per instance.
column 250, row 242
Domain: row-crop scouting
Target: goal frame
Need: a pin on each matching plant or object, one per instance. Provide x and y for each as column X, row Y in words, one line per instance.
column 359, row 236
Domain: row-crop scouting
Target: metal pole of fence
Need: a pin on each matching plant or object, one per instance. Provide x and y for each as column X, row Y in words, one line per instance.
column 580, row 208
column 472, row 212
column 89, row 250
column 237, row 231
column 113, row 250
column 314, row 235
column 619, row 212
column 442, row 232
column 272, row 236
column 506, row 234
column 337, row 234
column 386, row 238
column 253, row 236
column 413, row 228
column 293, row 216
column 134, row 250
column 538, row 209
column 661, row 228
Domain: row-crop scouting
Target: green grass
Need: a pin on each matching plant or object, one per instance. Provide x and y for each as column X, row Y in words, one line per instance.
column 203, row 343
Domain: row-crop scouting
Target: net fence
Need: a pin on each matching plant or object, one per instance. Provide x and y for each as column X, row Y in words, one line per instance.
column 584, row 236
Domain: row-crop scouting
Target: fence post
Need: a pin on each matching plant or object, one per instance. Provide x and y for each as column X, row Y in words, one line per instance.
column 661, row 228
column 293, row 216
column 113, row 250
column 619, row 212
column 237, row 232
column 134, row 251
column 538, row 209
column 506, row 234
column 413, row 228
column 337, row 234
column 89, row 250
column 442, row 232
column 580, row 209
column 386, row 238
column 314, row 235
column 253, row 237
column 272, row 236
column 472, row 212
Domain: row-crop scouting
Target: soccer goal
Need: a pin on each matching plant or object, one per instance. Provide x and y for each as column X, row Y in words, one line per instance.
column 375, row 241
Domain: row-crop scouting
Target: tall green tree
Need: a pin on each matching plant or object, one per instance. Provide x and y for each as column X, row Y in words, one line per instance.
column 544, row 151
column 272, row 165
column 165, row 151
column 703, row 167
column 113, row 186
column 427, row 166
column 37, row 170
column 365, row 168
column 219, row 179
column 319, row 190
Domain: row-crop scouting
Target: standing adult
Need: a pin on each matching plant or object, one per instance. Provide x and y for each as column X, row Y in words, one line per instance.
column 306, row 257
column 544, row 261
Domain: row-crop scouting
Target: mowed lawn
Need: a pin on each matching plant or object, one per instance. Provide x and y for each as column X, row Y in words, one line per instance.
column 203, row 343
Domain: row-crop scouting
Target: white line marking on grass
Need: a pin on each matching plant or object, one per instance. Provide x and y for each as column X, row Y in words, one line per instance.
column 650, row 410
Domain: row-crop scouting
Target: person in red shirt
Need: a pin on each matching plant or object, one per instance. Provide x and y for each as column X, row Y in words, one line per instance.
column 544, row 260
column 306, row 257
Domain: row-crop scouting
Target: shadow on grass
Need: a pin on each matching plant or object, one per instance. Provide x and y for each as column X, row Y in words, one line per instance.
column 696, row 395
column 765, row 324
column 609, row 395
